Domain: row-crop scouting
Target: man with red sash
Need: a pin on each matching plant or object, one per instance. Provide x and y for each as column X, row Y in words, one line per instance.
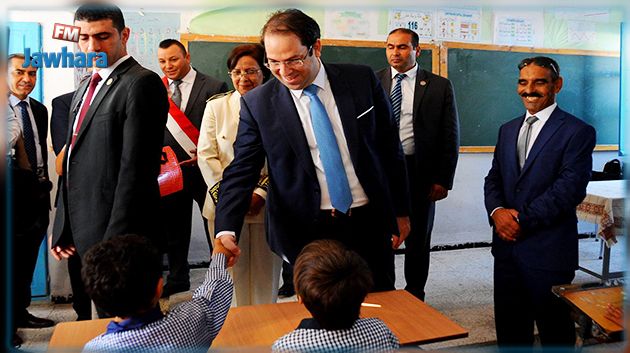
column 188, row 90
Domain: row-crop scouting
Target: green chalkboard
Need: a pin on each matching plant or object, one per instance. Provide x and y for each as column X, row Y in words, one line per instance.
column 485, row 87
column 211, row 57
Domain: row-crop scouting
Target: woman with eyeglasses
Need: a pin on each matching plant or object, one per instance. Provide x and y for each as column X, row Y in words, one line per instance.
column 257, row 272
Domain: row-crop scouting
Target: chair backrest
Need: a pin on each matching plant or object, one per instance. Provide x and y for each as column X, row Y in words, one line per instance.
column 613, row 167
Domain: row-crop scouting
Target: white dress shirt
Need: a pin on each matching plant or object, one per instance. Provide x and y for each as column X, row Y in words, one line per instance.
column 302, row 103
column 13, row 100
column 542, row 116
column 185, row 87
column 408, row 86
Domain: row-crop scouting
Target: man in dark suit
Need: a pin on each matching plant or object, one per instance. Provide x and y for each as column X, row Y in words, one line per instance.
column 541, row 166
column 28, row 236
column 424, row 106
column 113, row 145
column 336, row 168
column 188, row 91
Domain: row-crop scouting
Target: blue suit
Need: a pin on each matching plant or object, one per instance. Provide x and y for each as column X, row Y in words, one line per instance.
column 270, row 128
column 545, row 193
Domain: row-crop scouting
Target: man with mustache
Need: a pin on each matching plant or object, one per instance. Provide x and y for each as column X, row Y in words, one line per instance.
column 542, row 164
column 27, row 237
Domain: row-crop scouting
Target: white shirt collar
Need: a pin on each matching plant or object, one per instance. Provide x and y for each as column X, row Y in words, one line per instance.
column 411, row 73
column 13, row 100
column 188, row 78
column 319, row 81
column 544, row 114
column 107, row 71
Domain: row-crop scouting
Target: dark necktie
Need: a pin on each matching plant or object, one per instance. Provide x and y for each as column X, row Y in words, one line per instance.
column 336, row 178
column 176, row 97
column 29, row 135
column 523, row 140
column 96, row 78
column 396, row 97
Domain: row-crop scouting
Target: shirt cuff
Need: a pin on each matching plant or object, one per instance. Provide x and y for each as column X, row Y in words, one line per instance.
column 261, row 192
column 225, row 232
column 491, row 213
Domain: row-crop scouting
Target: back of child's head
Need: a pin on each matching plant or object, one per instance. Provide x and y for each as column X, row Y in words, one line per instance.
column 332, row 282
column 121, row 274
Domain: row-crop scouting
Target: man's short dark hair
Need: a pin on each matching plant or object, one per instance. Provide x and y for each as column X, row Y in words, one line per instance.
column 292, row 21
column 256, row 51
column 542, row 61
column 332, row 282
column 100, row 11
column 166, row 43
column 415, row 40
column 121, row 274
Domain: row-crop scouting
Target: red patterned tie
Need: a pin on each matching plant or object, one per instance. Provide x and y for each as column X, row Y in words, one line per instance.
column 96, row 78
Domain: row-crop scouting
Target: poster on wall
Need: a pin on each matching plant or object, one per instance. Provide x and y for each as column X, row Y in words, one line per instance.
column 459, row 24
column 148, row 29
column 581, row 32
column 522, row 29
column 350, row 24
column 418, row 21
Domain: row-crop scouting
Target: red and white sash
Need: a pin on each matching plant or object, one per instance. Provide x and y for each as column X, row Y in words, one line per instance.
column 184, row 132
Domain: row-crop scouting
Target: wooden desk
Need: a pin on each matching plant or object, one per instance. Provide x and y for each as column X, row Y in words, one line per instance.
column 604, row 206
column 592, row 302
column 411, row 320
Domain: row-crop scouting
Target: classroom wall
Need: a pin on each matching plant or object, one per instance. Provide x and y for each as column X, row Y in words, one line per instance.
column 459, row 219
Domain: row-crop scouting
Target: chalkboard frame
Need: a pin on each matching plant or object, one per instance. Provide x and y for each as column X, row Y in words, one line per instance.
column 443, row 71
column 439, row 59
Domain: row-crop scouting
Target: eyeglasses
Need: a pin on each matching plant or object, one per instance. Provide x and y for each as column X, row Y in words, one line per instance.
column 291, row 63
column 239, row 73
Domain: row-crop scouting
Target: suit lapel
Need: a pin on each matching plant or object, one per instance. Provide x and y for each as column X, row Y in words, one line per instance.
column 108, row 85
column 281, row 101
column 551, row 126
column 347, row 109
column 75, row 105
column 386, row 80
column 194, row 93
column 511, row 139
column 419, row 90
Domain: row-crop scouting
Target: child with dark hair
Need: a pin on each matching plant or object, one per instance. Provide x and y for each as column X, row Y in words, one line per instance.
column 332, row 282
column 123, row 276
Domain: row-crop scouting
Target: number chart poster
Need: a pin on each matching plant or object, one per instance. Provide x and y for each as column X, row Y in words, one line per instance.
column 420, row 22
column 459, row 24
column 147, row 31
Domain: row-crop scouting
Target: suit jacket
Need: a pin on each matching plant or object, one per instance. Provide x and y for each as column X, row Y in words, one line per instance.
column 59, row 120
column 203, row 88
column 110, row 176
column 545, row 192
column 270, row 127
column 435, row 126
column 38, row 207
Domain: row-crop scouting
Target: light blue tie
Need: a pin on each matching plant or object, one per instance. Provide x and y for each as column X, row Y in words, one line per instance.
column 396, row 97
column 336, row 178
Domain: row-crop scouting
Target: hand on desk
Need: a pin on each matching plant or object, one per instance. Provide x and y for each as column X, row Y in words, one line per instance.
column 506, row 224
column 614, row 314
column 226, row 245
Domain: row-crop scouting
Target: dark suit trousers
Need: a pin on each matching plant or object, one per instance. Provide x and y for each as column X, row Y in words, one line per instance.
column 522, row 297
column 364, row 232
column 418, row 243
column 176, row 218
column 81, row 302
column 27, row 238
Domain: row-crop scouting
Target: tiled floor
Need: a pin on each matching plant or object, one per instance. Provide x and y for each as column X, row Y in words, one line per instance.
column 459, row 286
